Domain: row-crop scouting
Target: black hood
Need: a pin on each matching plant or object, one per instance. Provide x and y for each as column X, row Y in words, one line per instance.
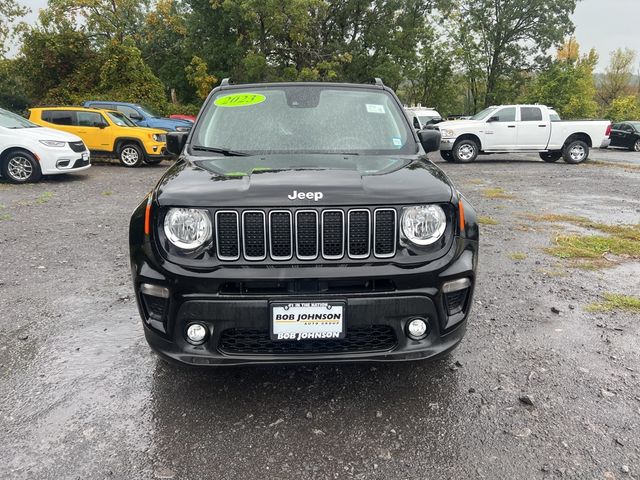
column 270, row 181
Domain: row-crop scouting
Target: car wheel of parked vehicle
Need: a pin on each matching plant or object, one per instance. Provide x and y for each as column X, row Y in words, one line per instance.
column 131, row 155
column 576, row 151
column 465, row 151
column 21, row 167
column 446, row 155
column 636, row 146
column 152, row 161
column 550, row 156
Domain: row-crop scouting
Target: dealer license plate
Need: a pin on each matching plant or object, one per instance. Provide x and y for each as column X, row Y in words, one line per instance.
column 307, row 321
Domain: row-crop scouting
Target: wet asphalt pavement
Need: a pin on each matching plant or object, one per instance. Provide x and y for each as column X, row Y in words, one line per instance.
column 83, row 397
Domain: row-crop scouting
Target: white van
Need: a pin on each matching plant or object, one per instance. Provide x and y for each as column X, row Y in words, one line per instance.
column 422, row 117
column 28, row 151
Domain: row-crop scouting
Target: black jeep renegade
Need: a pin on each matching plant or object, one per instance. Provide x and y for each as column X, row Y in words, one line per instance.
column 303, row 222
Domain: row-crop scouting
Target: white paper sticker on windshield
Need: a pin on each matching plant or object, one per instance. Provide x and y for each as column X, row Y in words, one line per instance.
column 375, row 108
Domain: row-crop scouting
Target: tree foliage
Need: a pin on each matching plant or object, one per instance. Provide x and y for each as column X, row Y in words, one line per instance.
column 503, row 37
column 616, row 82
column 568, row 84
column 10, row 11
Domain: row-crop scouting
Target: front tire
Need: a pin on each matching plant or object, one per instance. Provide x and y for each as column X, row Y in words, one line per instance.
column 575, row 152
column 446, row 155
column 465, row 151
column 21, row 167
column 131, row 155
column 550, row 157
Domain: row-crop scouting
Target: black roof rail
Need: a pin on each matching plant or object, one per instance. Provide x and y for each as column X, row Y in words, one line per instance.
column 379, row 81
column 225, row 81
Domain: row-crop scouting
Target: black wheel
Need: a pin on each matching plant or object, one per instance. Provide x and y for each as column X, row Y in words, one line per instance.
column 636, row 146
column 446, row 155
column 550, row 156
column 21, row 167
column 152, row 161
column 130, row 155
column 465, row 151
column 575, row 152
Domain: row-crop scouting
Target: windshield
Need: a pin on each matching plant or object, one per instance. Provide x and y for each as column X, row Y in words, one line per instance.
column 304, row 119
column 148, row 112
column 120, row 119
column 483, row 114
column 11, row 120
column 635, row 125
column 426, row 120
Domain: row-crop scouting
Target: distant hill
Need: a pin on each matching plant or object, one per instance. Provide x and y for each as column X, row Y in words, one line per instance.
column 635, row 80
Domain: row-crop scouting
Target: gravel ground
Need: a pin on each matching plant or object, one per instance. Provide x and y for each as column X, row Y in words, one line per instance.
column 83, row 397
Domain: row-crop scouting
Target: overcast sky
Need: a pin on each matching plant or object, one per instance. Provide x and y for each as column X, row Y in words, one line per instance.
column 601, row 24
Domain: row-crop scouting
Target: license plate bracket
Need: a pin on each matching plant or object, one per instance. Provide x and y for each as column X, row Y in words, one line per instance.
column 307, row 320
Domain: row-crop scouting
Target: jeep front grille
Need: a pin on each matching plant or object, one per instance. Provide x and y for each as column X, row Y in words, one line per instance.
column 305, row 234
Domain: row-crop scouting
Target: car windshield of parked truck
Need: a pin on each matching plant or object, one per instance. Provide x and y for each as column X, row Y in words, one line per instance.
column 120, row 119
column 303, row 119
column 13, row 121
column 484, row 113
column 428, row 120
column 147, row 112
column 635, row 125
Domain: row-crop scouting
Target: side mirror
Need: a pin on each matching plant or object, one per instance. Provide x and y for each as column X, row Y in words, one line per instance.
column 176, row 142
column 430, row 140
column 493, row 119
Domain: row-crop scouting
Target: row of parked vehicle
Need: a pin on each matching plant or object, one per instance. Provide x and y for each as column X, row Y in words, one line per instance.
column 56, row 140
column 522, row 128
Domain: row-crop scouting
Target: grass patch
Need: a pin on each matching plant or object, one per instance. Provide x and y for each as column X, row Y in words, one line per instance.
column 475, row 181
column 615, row 301
column 629, row 232
column 518, row 256
column 485, row 220
column 4, row 217
column 625, row 166
column 496, row 193
column 107, row 193
column 44, row 198
column 588, row 251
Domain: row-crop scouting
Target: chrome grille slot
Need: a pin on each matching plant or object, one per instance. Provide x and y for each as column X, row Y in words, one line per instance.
column 358, row 233
column 227, row 235
column 384, row 232
column 306, row 234
column 332, row 234
column 281, row 234
column 254, row 235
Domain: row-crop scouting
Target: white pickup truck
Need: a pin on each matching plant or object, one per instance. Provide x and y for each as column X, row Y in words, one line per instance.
column 522, row 128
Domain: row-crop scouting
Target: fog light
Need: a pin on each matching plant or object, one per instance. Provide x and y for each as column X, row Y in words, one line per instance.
column 196, row 333
column 417, row 329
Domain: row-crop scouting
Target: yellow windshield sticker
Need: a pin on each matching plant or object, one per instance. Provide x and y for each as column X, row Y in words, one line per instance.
column 240, row 100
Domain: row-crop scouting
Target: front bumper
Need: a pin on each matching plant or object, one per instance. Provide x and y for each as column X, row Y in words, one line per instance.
column 157, row 150
column 447, row 143
column 395, row 296
column 605, row 143
column 63, row 160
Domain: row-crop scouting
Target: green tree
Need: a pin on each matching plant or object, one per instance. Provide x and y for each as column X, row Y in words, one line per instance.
column 199, row 77
column 504, row 37
column 10, row 11
column 623, row 109
column 617, row 80
column 567, row 85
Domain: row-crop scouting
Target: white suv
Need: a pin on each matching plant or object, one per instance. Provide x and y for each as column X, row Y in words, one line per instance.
column 28, row 151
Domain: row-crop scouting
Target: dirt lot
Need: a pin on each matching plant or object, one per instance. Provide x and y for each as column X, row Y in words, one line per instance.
column 82, row 396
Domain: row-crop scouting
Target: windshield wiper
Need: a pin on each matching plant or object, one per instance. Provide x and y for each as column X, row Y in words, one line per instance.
column 224, row 151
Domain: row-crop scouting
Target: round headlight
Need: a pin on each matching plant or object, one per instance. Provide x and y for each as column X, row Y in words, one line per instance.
column 423, row 224
column 448, row 133
column 187, row 228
